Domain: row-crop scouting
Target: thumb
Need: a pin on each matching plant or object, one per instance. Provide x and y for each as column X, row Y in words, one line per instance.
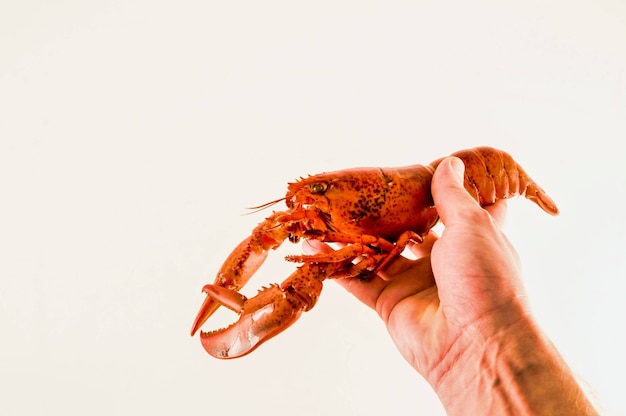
column 450, row 196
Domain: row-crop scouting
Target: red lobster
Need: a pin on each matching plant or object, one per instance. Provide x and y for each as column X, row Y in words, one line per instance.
column 374, row 212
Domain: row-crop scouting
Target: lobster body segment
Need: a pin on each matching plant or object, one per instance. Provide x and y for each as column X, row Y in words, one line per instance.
column 374, row 212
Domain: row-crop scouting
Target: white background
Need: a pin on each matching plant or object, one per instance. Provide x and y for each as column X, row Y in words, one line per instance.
column 133, row 135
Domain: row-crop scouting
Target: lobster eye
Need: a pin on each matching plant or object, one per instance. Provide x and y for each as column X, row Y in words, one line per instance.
column 318, row 188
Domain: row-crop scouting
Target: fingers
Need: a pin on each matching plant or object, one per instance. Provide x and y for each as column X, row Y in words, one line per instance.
column 449, row 194
column 414, row 281
column 425, row 247
column 312, row 247
column 498, row 211
column 452, row 200
column 367, row 291
column 383, row 295
column 395, row 267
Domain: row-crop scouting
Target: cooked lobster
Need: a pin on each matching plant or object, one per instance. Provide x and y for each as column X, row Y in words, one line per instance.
column 373, row 212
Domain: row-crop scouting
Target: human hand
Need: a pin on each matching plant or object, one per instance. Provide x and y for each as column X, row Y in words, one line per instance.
column 464, row 281
column 458, row 313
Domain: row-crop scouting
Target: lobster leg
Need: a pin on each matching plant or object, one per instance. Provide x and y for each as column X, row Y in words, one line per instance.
column 372, row 252
column 267, row 314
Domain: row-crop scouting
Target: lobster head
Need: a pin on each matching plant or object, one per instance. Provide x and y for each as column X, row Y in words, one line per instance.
column 357, row 201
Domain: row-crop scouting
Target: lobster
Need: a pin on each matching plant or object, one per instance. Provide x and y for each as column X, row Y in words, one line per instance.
column 373, row 212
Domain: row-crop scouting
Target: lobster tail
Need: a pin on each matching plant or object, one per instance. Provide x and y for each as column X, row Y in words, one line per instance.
column 534, row 193
column 491, row 174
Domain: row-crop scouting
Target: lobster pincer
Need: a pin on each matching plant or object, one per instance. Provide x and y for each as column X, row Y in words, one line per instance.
column 268, row 313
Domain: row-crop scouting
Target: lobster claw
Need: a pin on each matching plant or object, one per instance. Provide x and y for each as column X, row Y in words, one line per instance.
column 267, row 314
column 240, row 266
column 243, row 262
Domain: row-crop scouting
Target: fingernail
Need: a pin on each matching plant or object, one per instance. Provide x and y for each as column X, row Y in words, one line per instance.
column 458, row 167
column 308, row 248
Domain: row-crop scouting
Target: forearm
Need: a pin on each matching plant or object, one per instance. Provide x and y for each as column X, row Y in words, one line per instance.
column 517, row 373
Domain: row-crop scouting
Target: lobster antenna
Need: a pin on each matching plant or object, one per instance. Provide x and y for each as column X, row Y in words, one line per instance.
column 263, row 206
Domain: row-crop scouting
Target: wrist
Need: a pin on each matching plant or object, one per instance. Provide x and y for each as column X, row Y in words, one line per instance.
column 515, row 370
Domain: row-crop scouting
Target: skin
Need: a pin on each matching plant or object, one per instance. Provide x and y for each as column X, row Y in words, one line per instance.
column 459, row 315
